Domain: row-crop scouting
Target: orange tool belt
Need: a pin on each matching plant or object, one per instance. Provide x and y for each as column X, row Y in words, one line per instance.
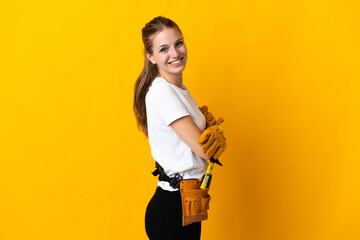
column 194, row 201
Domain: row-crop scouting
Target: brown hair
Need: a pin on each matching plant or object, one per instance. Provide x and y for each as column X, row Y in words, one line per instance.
column 150, row 70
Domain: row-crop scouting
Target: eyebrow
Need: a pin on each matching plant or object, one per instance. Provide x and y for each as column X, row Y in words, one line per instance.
column 166, row 44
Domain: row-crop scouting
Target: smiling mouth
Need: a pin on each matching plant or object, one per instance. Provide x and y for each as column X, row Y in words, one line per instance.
column 177, row 61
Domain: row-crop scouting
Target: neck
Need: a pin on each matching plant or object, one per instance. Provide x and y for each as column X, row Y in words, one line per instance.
column 175, row 79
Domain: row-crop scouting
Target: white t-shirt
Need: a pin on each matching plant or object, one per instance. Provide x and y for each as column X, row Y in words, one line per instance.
column 166, row 103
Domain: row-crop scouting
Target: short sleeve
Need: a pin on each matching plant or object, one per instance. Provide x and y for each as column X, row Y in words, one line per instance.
column 166, row 103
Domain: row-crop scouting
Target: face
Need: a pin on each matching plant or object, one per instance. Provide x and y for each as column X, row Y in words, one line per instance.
column 169, row 52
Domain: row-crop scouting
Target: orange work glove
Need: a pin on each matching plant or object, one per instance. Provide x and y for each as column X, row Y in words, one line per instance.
column 213, row 140
column 210, row 119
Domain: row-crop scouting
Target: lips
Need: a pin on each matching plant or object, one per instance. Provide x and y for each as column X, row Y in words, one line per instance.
column 177, row 61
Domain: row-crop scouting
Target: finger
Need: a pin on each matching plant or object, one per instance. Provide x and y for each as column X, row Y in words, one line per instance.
column 208, row 143
column 221, row 135
column 219, row 121
column 204, row 136
column 217, row 128
column 211, row 122
column 218, row 153
column 204, row 110
column 213, row 148
column 209, row 116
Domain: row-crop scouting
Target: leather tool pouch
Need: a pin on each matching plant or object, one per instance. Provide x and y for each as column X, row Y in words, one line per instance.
column 195, row 201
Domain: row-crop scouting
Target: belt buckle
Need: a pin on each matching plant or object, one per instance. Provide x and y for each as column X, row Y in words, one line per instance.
column 175, row 182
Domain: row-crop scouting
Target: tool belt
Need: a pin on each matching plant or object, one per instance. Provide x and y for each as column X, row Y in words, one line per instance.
column 194, row 201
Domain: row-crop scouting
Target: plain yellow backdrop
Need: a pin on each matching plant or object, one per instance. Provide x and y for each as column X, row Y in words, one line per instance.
column 283, row 74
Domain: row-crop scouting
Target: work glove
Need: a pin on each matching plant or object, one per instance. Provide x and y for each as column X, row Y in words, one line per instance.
column 213, row 140
column 210, row 119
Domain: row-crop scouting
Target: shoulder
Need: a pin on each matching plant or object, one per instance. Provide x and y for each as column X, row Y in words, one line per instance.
column 159, row 89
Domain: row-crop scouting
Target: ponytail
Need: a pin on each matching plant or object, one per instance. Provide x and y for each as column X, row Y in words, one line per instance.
column 142, row 84
column 150, row 70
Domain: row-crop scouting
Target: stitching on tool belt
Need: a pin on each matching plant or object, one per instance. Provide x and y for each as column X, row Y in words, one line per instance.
column 195, row 201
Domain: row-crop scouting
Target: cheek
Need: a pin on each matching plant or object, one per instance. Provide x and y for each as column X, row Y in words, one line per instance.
column 163, row 59
column 184, row 49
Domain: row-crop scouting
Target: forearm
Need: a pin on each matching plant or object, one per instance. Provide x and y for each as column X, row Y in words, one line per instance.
column 189, row 132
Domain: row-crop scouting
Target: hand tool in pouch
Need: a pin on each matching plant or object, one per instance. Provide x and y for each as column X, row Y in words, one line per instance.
column 208, row 175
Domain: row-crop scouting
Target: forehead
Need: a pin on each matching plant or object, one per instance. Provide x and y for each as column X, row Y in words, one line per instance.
column 166, row 36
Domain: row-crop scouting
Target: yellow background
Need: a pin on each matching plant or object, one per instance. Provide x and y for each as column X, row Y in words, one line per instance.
column 283, row 74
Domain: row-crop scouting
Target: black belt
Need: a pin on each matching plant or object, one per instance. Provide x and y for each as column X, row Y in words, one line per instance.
column 174, row 181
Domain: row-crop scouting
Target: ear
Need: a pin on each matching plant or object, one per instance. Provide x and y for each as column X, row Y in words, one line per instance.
column 148, row 55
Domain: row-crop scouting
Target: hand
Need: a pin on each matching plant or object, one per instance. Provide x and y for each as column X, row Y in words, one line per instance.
column 213, row 140
column 210, row 119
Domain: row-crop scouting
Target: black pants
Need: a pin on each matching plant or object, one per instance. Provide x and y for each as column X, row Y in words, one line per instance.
column 163, row 218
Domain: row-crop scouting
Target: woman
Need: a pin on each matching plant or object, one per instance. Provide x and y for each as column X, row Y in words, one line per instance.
column 169, row 116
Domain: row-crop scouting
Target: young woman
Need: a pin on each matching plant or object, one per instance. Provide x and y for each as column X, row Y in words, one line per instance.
column 169, row 116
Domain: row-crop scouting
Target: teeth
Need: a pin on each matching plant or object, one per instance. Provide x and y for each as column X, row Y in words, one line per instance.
column 176, row 62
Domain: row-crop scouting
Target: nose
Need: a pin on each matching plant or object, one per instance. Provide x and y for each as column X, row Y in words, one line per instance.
column 175, row 53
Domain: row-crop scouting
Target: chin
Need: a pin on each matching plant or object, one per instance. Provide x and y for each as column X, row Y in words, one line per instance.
column 179, row 71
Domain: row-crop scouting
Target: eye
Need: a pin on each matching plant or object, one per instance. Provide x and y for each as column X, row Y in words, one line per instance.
column 163, row 49
column 179, row 43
